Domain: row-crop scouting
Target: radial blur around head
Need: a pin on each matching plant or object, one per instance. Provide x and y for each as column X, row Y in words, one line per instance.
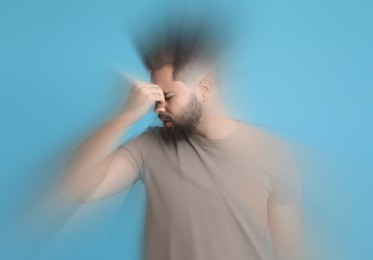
column 179, row 57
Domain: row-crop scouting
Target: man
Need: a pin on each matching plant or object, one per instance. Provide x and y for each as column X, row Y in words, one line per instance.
column 215, row 185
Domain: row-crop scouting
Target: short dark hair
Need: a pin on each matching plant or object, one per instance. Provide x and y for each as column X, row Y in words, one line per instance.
column 189, row 50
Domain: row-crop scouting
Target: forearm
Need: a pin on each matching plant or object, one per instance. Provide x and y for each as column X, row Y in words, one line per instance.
column 87, row 166
column 101, row 143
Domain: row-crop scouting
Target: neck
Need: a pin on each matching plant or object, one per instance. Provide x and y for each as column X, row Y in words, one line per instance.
column 215, row 125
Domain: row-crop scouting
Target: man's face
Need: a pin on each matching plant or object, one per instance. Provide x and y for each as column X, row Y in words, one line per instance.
column 182, row 110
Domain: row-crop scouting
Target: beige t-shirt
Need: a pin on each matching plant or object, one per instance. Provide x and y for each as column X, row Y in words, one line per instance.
column 207, row 198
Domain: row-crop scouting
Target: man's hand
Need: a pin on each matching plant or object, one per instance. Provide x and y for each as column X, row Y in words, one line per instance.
column 141, row 98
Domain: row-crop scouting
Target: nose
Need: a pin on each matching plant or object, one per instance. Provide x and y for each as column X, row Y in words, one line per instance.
column 159, row 107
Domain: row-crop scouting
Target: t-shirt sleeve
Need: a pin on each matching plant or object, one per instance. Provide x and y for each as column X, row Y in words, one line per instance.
column 286, row 182
column 136, row 150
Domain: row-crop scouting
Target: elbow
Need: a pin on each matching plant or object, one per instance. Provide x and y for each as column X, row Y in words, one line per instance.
column 69, row 194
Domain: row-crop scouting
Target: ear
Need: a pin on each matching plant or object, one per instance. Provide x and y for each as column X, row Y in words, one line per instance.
column 205, row 89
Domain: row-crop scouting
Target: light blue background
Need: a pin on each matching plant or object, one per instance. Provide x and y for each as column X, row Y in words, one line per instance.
column 301, row 69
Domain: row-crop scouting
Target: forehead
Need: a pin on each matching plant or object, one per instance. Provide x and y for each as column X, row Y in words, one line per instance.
column 164, row 79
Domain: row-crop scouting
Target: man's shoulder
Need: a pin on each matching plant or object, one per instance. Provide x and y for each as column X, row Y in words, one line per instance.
column 260, row 136
column 257, row 132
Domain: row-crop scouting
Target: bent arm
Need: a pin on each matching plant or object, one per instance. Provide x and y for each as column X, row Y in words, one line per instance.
column 286, row 228
column 96, row 169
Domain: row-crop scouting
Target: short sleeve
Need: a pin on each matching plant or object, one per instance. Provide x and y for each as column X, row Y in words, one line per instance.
column 136, row 151
column 286, row 182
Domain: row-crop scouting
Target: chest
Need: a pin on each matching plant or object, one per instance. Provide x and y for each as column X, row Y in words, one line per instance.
column 235, row 174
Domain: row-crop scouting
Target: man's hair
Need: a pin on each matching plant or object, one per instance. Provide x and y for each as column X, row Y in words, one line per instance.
column 192, row 51
column 187, row 67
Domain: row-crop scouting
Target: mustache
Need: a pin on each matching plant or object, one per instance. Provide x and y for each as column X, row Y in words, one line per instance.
column 165, row 118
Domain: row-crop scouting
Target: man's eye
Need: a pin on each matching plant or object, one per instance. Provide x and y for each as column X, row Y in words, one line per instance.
column 168, row 97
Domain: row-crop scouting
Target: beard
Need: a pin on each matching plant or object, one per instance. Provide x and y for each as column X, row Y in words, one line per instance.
column 186, row 121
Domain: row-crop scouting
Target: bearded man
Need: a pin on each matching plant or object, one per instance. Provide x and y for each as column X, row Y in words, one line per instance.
column 215, row 186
